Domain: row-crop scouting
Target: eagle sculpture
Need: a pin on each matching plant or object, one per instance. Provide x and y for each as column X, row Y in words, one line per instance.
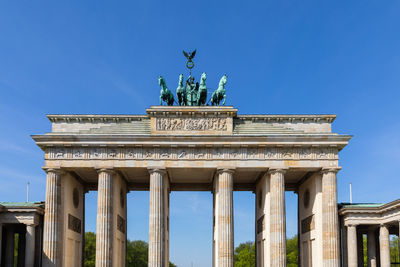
column 189, row 55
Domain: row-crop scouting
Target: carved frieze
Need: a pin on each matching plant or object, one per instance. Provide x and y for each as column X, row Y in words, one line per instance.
column 191, row 124
column 193, row 153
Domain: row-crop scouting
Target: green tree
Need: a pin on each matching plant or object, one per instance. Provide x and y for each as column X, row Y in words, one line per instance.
column 90, row 250
column 292, row 252
column 245, row 255
column 136, row 252
column 394, row 249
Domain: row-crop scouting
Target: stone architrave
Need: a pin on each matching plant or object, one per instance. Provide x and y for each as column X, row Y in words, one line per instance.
column 384, row 245
column 30, row 245
column 158, row 222
column 352, row 254
column 104, row 244
column 277, row 217
column 371, row 250
column 52, row 234
column 330, row 219
column 223, row 231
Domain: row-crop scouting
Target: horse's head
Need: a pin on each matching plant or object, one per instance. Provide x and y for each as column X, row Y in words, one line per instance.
column 203, row 78
column 160, row 80
column 223, row 80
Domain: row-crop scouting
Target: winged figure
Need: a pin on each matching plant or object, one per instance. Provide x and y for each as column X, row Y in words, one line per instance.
column 189, row 55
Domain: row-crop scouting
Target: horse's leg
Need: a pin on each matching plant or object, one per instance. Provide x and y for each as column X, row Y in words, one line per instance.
column 223, row 103
column 160, row 100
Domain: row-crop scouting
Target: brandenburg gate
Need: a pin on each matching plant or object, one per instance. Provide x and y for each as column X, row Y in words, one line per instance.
column 193, row 148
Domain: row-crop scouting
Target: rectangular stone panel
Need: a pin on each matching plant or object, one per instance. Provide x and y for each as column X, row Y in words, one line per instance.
column 307, row 224
column 74, row 224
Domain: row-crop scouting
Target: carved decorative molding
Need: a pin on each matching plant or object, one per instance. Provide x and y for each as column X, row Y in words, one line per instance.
column 191, row 124
column 192, row 153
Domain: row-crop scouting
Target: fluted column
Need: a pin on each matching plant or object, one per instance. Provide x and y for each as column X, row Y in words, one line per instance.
column 278, row 217
column 52, row 234
column 371, row 250
column 224, row 221
column 30, row 245
column 330, row 220
column 384, row 245
column 104, row 238
column 158, row 256
column 352, row 252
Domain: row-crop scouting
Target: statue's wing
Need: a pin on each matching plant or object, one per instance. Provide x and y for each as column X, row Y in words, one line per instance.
column 193, row 53
column 185, row 54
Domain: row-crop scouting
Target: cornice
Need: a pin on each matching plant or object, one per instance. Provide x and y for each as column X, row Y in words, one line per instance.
column 371, row 210
column 270, row 139
column 168, row 111
column 80, row 118
column 316, row 118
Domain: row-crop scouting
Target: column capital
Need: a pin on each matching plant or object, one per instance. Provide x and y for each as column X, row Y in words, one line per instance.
column 161, row 170
column 277, row 170
column 330, row 169
column 226, row 169
column 106, row 170
column 55, row 170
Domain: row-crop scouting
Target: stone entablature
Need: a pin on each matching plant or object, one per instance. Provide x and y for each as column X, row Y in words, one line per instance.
column 166, row 120
column 23, row 213
column 373, row 214
column 192, row 153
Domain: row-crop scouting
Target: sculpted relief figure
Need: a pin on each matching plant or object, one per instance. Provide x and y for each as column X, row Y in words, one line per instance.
column 191, row 124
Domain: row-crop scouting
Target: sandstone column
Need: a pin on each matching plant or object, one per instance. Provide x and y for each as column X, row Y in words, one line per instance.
column 278, row 218
column 330, row 220
column 30, row 246
column 223, row 190
column 52, row 234
column 104, row 238
column 371, row 244
column 158, row 256
column 352, row 254
column 384, row 245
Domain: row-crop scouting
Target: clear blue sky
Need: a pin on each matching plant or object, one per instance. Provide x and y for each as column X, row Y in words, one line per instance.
column 296, row 57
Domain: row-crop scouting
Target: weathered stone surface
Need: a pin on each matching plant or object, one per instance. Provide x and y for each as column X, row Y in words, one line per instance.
column 223, row 197
column 52, row 233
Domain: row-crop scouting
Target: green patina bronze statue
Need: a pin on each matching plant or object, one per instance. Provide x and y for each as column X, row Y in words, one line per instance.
column 219, row 94
column 202, row 93
column 191, row 93
column 181, row 92
column 165, row 94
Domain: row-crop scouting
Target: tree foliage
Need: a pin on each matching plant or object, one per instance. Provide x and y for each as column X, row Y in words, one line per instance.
column 292, row 252
column 136, row 252
column 90, row 250
column 245, row 255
